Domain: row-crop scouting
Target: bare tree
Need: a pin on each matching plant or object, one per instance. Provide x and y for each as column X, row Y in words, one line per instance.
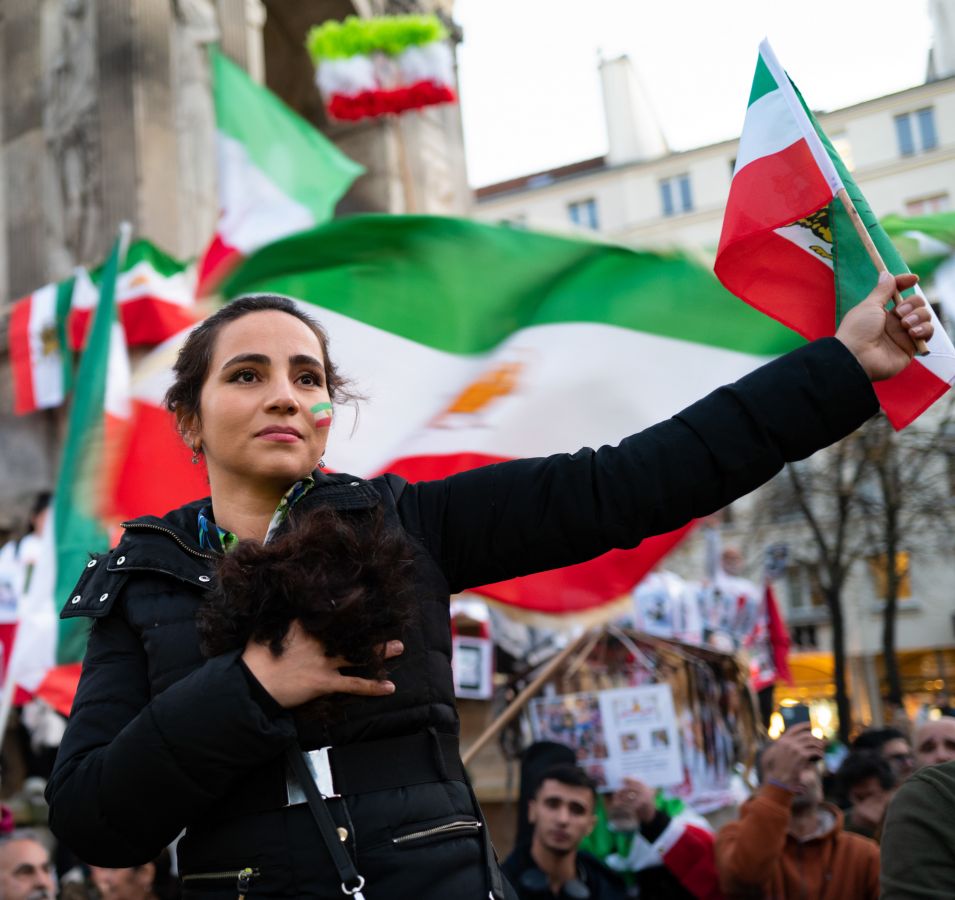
column 904, row 505
column 875, row 496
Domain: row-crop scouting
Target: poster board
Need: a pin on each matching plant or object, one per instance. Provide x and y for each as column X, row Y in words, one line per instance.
column 626, row 732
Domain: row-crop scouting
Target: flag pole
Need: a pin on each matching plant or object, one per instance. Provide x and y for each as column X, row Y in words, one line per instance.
column 921, row 348
column 525, row 696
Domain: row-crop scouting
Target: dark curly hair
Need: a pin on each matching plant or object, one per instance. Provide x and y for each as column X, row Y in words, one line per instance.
column 345, row 576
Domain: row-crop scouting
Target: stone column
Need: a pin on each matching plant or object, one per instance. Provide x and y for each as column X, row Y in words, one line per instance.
column 23, row 147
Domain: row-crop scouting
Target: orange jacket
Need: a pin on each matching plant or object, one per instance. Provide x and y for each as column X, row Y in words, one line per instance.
column 757, row 857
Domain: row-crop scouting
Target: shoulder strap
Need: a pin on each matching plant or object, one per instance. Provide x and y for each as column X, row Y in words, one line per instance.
column 351, row 881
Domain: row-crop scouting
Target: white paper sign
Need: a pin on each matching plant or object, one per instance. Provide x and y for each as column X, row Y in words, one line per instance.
column 627, row 732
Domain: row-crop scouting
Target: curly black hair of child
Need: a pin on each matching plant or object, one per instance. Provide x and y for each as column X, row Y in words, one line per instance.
column 345, row 576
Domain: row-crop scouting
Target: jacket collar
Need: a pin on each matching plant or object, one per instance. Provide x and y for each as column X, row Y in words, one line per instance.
column 150, row 540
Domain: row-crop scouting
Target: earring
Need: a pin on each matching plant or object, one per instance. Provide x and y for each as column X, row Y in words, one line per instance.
column 196, row 450
column 321, row 463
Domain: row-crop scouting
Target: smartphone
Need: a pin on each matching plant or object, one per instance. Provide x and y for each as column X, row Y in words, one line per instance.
column 794, row 715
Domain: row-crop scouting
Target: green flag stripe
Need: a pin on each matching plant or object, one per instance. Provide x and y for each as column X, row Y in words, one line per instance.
column 464, row 287
column 855, row 273
column 77, row 527
column 143, row 251
column 763, row 81
column 64, row 299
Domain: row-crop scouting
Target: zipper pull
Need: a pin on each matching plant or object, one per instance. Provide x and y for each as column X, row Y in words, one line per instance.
column 245, row 881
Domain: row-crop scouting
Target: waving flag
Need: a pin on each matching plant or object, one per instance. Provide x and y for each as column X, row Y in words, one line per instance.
column 40, row 361
column 788, row 246
column 477, row 343
column 155, row 297
column 277, row 173
column 94, row 434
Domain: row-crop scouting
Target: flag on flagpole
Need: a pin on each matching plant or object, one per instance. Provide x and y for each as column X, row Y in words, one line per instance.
column 478, row 343
column 40, row 361
column 155, row 297
column 788, row 246
column 277, row 173
column 100, row 405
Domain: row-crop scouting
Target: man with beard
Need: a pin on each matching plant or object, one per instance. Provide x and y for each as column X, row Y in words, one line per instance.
column 26, row 872
column 787, row 841
column 562, row 814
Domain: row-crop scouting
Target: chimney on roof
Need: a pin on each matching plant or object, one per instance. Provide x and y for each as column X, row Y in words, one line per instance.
column 941, row 58
column 633, row 133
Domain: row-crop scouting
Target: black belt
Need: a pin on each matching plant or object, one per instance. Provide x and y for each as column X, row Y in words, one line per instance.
column 381, row 765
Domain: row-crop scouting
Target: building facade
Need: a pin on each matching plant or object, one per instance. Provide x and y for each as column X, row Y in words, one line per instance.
column 106, row 115
column 901, row 151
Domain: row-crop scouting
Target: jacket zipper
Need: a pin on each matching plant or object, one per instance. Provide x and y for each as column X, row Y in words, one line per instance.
column 171, row 534
column 243, row 878
column 448, row 828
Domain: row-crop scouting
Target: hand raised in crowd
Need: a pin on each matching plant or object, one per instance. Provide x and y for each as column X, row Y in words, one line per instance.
column 785, row 760
column 304, row 671
column 882, row 341
column 635, row 801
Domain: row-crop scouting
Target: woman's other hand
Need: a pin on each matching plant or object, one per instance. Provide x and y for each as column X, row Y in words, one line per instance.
column 880, row 340
column 304, row 672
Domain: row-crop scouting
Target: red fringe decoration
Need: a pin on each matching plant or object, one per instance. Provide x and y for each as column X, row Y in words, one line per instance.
column 370, row 104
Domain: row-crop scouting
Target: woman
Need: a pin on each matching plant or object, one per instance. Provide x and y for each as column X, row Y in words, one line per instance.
column 161, row 738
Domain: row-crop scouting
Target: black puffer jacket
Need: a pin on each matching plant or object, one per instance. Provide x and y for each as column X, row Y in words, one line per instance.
column 160, row 738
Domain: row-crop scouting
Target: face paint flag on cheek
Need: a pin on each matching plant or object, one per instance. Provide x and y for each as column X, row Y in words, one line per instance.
column 323, row 414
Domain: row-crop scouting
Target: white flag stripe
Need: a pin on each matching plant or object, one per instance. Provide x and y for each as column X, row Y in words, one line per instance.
column 255, row 211
column 46, row 361
column 767, row 129
column 798, row 115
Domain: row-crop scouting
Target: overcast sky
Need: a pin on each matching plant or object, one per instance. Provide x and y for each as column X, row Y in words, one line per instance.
column 530, row 91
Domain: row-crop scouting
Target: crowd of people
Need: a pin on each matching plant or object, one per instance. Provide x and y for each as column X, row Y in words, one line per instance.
column 804, row 832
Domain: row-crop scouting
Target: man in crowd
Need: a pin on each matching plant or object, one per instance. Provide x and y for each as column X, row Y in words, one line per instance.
column 664, row 848
column 26, row 872
column 894, row 748
column 919, row 837
column 935, row 742
column 787, row 841
column 867, row 783
column 561, row 813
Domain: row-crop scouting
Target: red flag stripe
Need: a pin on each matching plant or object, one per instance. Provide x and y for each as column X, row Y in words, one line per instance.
column 773, row 191
column 783, row 281
column 217, row 262
column 24, row 398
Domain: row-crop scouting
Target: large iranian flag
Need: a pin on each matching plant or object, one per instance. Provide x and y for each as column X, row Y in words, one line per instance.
column 277, row 173
column 155, row 297
column 40, row 360
column 476, row 344
column 788, row 246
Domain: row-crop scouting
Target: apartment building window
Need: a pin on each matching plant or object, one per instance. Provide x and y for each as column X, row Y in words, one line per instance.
column 584, row 213
column 879, row 566
column 842, row 146
column 925, row 206
column 915, row 131
column 675, row 195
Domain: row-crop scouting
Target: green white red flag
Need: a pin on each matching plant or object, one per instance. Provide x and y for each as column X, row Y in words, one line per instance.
column 277, row 173
column 385, row 65
column 476, row 344
column 788, row 246
column 155, row 297
column 40, row 359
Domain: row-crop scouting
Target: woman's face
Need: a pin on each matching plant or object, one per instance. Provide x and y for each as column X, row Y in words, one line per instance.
column 258, row 421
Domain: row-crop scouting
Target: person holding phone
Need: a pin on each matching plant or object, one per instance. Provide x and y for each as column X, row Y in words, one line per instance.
column 787, row 841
